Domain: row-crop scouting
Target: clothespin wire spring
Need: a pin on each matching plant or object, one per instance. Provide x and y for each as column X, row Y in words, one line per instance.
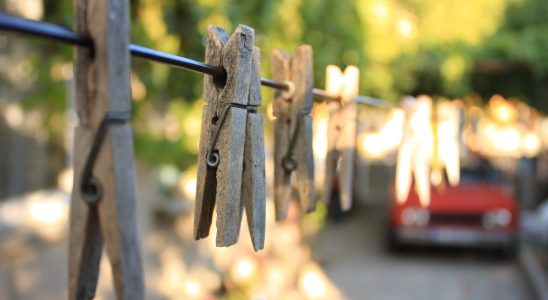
column 90, row 187
column 288, row 161
column 212, row 157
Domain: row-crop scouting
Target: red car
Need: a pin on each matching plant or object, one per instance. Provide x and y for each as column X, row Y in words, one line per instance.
column 477, row 212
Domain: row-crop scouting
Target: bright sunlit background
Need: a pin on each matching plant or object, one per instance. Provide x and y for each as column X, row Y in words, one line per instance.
column 477, row 70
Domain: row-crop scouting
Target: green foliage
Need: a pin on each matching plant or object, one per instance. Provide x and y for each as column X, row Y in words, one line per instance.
column 401, row 47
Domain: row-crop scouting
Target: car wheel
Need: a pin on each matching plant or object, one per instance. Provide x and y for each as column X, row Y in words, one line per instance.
column 392, row 243
column 510, row 252
column 507, row 252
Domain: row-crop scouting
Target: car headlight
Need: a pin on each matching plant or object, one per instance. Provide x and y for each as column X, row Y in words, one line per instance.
column 415, row 216
column 497, row 218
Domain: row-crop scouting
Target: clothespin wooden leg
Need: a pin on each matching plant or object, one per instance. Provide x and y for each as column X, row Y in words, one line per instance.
column 282, row 178
column 331, row 158
column 347, row 144
column 237, row 55
column 85, row 242
column 206, row 185
column 253, row 178
column 231, row 145
column 293, row 130
column 207, row 181
column 341, row 133
column 302, row 77
column 403, row 172
column 103, row 199
column 280, row 65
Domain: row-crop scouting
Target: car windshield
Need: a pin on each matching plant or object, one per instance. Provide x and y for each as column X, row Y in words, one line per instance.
column 483, row 173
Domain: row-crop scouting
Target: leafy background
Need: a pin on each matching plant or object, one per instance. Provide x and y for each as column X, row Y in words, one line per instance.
column 437, row 47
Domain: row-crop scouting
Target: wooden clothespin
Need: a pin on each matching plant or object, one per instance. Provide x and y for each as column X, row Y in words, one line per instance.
column 293, row 130
column 415, row 151
column 103, row 198
column 446, row 145
column 231, row 159
column 341, row 132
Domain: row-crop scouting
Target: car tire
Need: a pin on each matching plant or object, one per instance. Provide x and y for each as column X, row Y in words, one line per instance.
column 392, row 243
column 509, row 252
column 505, row 253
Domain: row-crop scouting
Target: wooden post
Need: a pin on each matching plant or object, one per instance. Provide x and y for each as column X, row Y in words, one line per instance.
column 103, row 85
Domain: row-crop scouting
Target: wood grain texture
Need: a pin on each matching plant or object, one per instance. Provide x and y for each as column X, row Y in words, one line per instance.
column 305, row 170
column 207, row 177
column 230, row 144
column 103, row 85
column 253, row 183
column 303, row 77
column 237, row 57
column 292, row 114
column 85, row 241
column 253, row 178
column 282, row 179
column 347, row 145
column 206, row 180
column 333, row 85
column 221, row 186
column 255, row 97
column 341, row 133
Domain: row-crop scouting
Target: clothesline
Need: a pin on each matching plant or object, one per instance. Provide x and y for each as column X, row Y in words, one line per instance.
column 62, row 34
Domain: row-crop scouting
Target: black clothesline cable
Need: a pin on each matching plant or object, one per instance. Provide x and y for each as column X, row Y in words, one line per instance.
column 62, row 34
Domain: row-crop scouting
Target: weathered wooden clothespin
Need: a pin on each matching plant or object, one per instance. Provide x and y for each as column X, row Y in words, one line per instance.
column 231, row 159
column 103, row 204
column 341, row 132
column 293, row 130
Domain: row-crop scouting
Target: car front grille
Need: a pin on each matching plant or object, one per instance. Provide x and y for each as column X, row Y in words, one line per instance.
column 456, row 219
